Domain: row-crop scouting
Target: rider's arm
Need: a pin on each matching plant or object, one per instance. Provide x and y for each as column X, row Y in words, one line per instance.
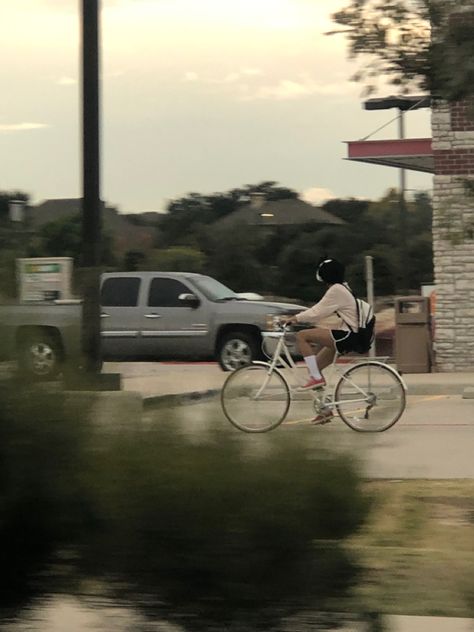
column 327, row 306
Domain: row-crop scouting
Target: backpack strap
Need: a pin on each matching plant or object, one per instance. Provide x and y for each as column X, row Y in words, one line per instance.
column 357, row 307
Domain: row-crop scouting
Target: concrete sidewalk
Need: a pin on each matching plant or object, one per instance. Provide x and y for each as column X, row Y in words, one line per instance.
column 189, row 381
column 427, row 624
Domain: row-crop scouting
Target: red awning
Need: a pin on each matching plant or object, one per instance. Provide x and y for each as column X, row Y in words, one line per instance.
column 408, row 153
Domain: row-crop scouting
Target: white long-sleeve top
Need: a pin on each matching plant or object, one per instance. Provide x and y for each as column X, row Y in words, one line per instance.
column 338, row 299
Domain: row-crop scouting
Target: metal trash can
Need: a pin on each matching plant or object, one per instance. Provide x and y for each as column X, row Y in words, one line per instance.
column 413, row 343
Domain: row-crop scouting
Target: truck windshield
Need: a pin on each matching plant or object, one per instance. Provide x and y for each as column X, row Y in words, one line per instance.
column 214, row 290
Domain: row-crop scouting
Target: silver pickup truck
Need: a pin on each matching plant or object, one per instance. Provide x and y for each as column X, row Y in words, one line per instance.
column 41, row 336
column 153, row 315
column 182, row 315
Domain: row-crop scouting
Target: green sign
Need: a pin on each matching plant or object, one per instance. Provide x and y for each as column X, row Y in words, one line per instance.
column 42, row 268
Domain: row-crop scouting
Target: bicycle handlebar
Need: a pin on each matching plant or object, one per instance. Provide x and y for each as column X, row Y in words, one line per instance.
column 282, row 326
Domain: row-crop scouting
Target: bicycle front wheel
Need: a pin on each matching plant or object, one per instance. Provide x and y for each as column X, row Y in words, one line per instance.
column 255, row 399
column 370, row 397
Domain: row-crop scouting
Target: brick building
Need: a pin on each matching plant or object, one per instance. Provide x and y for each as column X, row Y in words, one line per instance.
column 453, row 233
column 449, row 155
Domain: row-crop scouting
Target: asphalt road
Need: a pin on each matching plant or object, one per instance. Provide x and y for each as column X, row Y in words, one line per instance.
column 434, row 439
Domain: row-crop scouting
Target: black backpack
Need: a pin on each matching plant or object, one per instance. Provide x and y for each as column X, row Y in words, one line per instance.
column 366, row 333
column 364, row 337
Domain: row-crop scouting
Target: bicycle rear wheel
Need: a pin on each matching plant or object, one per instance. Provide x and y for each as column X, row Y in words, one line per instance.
column 255, row 399
column 370, row 397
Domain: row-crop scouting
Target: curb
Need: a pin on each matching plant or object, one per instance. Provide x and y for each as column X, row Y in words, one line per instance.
column 193, row 397
column 180, row 399
column 468, row 393
column 440, row 389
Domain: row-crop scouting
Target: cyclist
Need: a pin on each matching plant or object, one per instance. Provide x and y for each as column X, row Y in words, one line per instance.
column 339, row 300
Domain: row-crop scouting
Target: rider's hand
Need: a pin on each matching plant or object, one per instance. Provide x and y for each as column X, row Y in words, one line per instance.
column 290, row 320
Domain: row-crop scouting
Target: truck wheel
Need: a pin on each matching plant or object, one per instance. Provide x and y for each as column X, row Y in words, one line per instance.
column 237, row 349
column 40, row 356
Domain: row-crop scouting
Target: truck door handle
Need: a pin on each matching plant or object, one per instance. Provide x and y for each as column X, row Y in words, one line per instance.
column 152, row 315
column 104, row 315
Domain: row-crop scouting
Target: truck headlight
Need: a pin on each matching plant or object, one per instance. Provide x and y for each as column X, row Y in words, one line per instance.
column 272, row 322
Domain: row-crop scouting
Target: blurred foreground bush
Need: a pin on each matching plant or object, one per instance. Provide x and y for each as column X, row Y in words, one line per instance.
column 205, row 532
column 202, row 533
column 42, row 503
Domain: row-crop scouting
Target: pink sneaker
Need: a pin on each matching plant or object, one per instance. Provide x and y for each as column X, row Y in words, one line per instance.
column 323, row 418
column 314, row 383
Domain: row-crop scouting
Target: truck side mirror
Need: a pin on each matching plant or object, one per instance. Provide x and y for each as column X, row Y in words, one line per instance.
column 190, row 300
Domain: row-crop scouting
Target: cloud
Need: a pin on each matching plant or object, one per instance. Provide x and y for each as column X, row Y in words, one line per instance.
column 72, row 81
column 230, row 78
column 191, row 76
column 317, row 195
column 67, row 5
column 243, row 73
column 20, row 127
column 66, row 81
column 252, row 72
column 248, row 84
column 287, row 89
column 284, row 89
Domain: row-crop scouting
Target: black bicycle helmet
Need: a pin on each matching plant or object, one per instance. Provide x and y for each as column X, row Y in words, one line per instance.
column 330, row 271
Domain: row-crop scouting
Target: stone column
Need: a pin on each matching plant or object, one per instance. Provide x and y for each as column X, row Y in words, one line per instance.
column 453, row 233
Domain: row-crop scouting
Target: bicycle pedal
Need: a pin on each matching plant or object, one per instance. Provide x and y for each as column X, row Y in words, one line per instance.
column 324, row 410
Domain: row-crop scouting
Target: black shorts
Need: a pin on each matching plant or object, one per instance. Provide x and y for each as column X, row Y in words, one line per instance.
column 343, row 340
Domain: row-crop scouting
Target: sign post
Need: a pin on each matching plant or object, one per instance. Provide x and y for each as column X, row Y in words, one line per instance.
column 369, row 276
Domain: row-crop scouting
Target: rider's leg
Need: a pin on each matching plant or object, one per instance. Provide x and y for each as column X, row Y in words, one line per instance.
column 322, row 337
column 325, row 357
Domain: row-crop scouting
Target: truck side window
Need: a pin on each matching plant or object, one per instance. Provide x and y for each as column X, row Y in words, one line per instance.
column 120, row 292
column 164, row 293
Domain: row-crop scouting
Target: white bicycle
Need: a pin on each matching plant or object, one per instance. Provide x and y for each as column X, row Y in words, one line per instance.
column 369, row 396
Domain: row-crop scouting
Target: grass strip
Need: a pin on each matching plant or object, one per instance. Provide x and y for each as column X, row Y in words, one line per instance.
column 418, row 548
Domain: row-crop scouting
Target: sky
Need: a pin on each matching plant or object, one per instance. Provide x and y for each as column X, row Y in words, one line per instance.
column 197, row 96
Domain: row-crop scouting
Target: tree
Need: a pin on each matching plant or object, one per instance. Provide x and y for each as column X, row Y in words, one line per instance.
column 281, row 262
column 397, row 38
column 188, row 214
column 14, row 243
column 133, row 260
column 371, row 229
column 349, row 210
column 8, row 283
column 63, row 238
column 176, row 258
column 385, row 267
column 270, row 189
column 233, row 258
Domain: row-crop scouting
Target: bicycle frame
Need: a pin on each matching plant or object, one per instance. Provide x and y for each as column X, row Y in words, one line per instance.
column 282, row 356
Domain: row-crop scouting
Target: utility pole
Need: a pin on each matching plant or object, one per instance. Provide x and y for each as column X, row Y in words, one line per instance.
column 402, row 212
column 403, row 104
column 91, row 204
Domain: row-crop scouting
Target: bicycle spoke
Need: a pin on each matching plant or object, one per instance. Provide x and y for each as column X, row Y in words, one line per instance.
column 384, row 397
column 255, row 398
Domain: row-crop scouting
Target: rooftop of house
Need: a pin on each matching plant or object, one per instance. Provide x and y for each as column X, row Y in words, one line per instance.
column 261, row 212
column 126, row 234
